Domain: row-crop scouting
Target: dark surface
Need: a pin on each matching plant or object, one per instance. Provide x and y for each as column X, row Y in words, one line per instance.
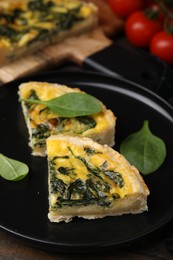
column 27, row 200
column 124, row 61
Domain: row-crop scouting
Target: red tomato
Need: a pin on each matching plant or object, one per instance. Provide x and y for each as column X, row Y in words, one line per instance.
column 162, row 46
column 140, row 29
column 124, row 8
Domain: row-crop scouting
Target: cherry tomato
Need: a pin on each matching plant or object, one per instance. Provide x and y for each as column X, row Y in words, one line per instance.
column 162, row 46
column 140, row 29
column 124, row 8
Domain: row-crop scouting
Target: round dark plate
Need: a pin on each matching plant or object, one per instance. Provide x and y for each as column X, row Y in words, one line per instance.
column 24, row 204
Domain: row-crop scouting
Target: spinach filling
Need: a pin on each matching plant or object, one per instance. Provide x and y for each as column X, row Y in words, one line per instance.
column 95, row 190
column 42, row 11
column 55, row 125
column 39, row 5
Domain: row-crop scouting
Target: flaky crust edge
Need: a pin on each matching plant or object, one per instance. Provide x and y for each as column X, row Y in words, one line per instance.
column 131, row 204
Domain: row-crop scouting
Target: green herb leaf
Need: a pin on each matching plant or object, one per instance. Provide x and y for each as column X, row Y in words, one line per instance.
column 144, row 150
column 71, row 104
column 12, row 170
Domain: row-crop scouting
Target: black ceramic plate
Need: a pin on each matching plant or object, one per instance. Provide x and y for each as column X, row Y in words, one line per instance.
column 24, row 204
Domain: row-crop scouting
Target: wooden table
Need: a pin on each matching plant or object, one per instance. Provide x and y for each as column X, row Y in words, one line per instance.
column 151, row 247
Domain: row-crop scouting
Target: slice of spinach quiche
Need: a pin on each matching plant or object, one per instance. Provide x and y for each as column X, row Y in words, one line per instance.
column 91, row 181
column 42, row 122
column 27, row 26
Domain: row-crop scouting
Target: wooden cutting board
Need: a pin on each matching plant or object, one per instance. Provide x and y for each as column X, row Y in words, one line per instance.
column 74, row 49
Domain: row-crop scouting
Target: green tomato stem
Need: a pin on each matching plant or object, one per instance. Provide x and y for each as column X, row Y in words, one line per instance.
column 164, row 8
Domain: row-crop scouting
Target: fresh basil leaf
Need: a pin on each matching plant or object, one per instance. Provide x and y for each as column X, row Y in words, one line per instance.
column 144, row 150
column 12, row 170
column 71, row 104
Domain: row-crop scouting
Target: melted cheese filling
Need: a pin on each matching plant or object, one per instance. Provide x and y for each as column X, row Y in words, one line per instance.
column 44, row 122
column 24, row 21
column 71, row 164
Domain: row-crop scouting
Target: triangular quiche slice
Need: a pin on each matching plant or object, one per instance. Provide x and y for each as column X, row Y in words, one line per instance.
column 90, row 180
column 42, row 123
